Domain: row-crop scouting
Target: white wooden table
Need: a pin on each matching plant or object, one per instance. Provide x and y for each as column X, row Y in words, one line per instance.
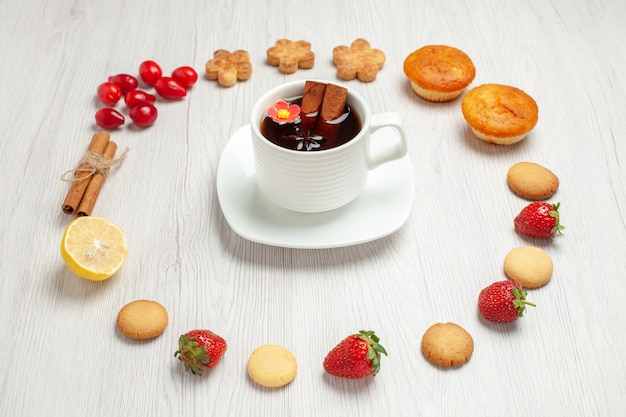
column 61, row 354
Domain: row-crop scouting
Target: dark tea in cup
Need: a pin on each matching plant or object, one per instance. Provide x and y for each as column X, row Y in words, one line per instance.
column 292, row 174
column 320, row 119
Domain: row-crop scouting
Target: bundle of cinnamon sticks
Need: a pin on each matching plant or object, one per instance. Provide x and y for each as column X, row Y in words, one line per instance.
column 326, row 102
column 90, row 174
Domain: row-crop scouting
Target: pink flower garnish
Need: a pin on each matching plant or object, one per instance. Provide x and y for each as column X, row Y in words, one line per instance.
column 283, row 112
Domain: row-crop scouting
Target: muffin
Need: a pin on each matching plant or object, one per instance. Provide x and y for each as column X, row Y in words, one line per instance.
column 499, row 113
column 438, row 72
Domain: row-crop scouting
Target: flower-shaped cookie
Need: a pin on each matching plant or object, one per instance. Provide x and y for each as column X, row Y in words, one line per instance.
column 289, row 56
column 227, row 67
column 358, row 61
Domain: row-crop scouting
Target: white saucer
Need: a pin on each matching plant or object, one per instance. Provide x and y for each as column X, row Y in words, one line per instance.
column 381, row 209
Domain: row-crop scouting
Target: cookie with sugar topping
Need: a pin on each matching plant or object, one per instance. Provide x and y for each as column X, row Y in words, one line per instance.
column 289, row 56
column 359, row 60
column 229, row 67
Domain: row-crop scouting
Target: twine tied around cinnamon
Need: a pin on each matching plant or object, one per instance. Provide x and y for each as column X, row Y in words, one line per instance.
column 89, row 174
column 91, row 164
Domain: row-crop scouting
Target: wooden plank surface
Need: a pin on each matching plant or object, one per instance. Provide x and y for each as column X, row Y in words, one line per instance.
column 61, row 354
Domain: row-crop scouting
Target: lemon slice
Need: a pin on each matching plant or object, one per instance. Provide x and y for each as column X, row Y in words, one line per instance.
column 93, row 247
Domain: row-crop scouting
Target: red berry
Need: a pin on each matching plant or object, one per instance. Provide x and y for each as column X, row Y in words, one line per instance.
column 539, row 219
column 109, row 93
column 356, row 356
column 503, row 302
column 187, row 76
column 143, row 114
column 169, row 88
column 109, row 118
column 125, row 81
column 136, row 97
column 200, row 350
column 150, row 72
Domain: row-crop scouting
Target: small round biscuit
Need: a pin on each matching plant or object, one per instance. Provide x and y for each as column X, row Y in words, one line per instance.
column 272, row 366
column 142, row 319
column 529, row 266
column 532, row 181
column 447, row 345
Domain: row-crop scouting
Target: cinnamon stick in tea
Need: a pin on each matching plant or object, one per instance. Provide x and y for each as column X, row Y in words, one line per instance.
column 333, row 107
column 311, row 105
column 95, row 185
column 82, row 175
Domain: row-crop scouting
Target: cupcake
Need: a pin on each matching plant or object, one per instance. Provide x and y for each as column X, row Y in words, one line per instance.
column 438, row 72
column 499, row 113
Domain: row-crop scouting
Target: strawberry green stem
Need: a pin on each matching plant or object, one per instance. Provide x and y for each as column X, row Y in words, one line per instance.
column 558, row 227
column 520, row 300
column 374, row 350
column 192, row 355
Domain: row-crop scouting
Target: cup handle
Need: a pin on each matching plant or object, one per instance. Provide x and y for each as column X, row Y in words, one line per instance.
column 387, row 152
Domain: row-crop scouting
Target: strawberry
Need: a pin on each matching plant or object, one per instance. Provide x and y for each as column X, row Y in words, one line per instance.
column 200, row 350
column 539, row 219
column 356, row 356
column 503, row 302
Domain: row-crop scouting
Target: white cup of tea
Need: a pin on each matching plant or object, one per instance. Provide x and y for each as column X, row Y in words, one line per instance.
column 312, row 181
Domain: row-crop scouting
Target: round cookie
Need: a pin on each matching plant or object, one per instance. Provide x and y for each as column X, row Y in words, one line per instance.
column 272, row 366
column 499, row 114
column 529, row 266
column 532, row 181
column 447, row 345
column 438, row 72
column 142, row 319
